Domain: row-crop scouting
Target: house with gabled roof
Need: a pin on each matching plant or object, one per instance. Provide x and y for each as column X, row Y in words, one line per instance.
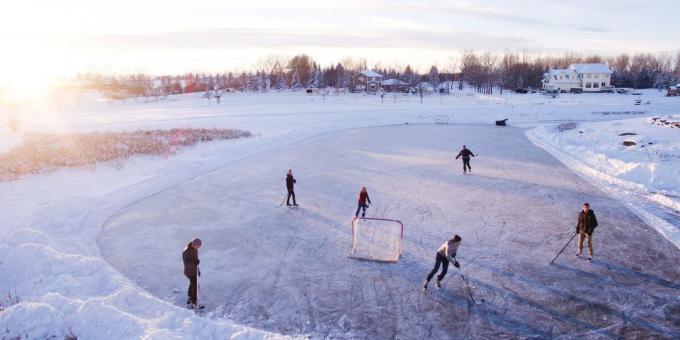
column 593, row 77
column 366, row 81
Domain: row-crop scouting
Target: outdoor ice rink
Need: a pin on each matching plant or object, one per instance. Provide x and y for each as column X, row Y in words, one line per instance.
column 287, row 270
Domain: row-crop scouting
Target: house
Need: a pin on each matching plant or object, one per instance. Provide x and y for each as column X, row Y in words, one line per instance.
column 579, row 78
column 366, row 81
column 394, row 85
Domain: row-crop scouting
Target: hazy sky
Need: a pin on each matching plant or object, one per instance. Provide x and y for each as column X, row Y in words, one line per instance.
column 63, row 37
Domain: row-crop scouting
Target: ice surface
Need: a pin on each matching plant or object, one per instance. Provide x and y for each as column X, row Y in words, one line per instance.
column 286, row 270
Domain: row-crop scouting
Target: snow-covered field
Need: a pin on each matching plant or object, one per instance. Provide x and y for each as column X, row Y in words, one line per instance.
column 96, row 252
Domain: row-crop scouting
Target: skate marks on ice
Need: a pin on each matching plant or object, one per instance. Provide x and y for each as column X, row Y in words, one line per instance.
column 287, row 270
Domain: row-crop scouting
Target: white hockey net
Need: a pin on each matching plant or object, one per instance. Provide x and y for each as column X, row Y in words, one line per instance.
column 376, row 239
column 441, row 119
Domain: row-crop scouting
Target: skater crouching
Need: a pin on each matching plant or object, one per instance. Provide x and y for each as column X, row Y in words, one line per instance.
column 290, row 185
column 445, row 254
column 191, row 271
column 466, row 153
column 587, row 222
column 363, row 198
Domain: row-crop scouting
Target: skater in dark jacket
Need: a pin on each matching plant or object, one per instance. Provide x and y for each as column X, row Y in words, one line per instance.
column 466, row 153
column 191, row 271
column 445, row 254
column 290, row 184
column 587, row 222
column 363, row 198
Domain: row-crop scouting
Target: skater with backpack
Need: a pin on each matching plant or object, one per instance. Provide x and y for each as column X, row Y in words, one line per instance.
column 290, row 185
column 363, row 198
column 445, row 254
column 191, row 271
column 466, row 153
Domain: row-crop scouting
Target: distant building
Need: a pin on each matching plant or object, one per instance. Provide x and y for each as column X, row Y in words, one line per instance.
column 578, row 78
column 394, row 85
column 366, row 81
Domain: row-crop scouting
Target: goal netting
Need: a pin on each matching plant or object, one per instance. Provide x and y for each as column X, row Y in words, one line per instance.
column 376, row 239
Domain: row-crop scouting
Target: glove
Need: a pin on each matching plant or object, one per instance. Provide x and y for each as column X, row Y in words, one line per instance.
column 577, row 229
column 456, row 264
column 198, row 271
column 198, row 262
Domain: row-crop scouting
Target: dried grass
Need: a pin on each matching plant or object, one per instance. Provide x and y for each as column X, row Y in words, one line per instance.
column 41, row 152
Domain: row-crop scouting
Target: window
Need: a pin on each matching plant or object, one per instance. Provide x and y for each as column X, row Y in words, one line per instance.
column 561, row 77
column 596, row 76
column 589, row 85
column 566, row 76
column 604, row 84
column 589, row 75
column 596, row 85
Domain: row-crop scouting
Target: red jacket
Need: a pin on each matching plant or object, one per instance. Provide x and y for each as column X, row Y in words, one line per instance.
column 363, row 197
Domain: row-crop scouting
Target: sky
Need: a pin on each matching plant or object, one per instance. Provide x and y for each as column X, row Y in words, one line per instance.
column 46, row 38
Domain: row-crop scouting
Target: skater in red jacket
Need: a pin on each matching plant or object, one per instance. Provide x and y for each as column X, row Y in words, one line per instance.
column 363, row 198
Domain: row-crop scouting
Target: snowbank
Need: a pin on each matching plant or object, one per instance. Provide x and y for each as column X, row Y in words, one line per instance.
column 645, row 174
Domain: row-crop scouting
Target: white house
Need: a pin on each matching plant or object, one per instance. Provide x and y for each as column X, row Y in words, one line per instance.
column 578, row 78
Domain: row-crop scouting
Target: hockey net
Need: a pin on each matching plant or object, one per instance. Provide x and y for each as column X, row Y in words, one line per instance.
column 376, row 239
column 441, row 119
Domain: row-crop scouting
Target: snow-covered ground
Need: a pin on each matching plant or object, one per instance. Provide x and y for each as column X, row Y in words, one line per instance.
column 646, row 175
column 63, row 254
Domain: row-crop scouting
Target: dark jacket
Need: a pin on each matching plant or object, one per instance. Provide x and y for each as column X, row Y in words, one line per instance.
column 586, row 222
column 190, row 259
column 465, row 153
column 363, row 197
column 290, row 182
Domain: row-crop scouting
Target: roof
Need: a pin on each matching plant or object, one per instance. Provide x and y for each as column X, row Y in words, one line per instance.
column 370, row 73
column 591, row 68
column 392, row 82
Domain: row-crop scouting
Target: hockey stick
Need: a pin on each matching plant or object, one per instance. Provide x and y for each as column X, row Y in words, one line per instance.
column 283, row 200
column 563, row 248
column 198, row 270
column 468, row 289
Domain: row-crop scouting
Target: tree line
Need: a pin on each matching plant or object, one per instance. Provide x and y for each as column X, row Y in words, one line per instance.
column 482, row 71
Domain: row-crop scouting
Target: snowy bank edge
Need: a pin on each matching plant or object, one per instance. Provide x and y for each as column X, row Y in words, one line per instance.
column 539, row 137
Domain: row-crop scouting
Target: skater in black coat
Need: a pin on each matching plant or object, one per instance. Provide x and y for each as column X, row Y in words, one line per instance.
column 191, row 271
column 290, row 185
column 466, row 153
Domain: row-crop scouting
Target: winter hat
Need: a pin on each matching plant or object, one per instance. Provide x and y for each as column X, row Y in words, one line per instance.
column 197, row 242
column 457, row 238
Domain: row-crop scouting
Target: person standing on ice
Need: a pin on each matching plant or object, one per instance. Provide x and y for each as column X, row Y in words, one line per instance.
column 290, row 184
column 445, row 254
column 191, row 271
column 587, row 222
column 466, row 153
column 363, row 198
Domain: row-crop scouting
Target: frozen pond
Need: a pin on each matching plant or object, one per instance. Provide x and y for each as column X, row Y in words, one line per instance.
column 287, row 270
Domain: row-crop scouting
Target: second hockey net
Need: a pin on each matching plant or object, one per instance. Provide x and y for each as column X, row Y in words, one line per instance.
column 376, row 239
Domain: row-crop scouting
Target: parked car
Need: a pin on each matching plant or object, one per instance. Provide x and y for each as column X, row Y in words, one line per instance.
column 607, row 89
column 576, row 90
column 521, row 90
